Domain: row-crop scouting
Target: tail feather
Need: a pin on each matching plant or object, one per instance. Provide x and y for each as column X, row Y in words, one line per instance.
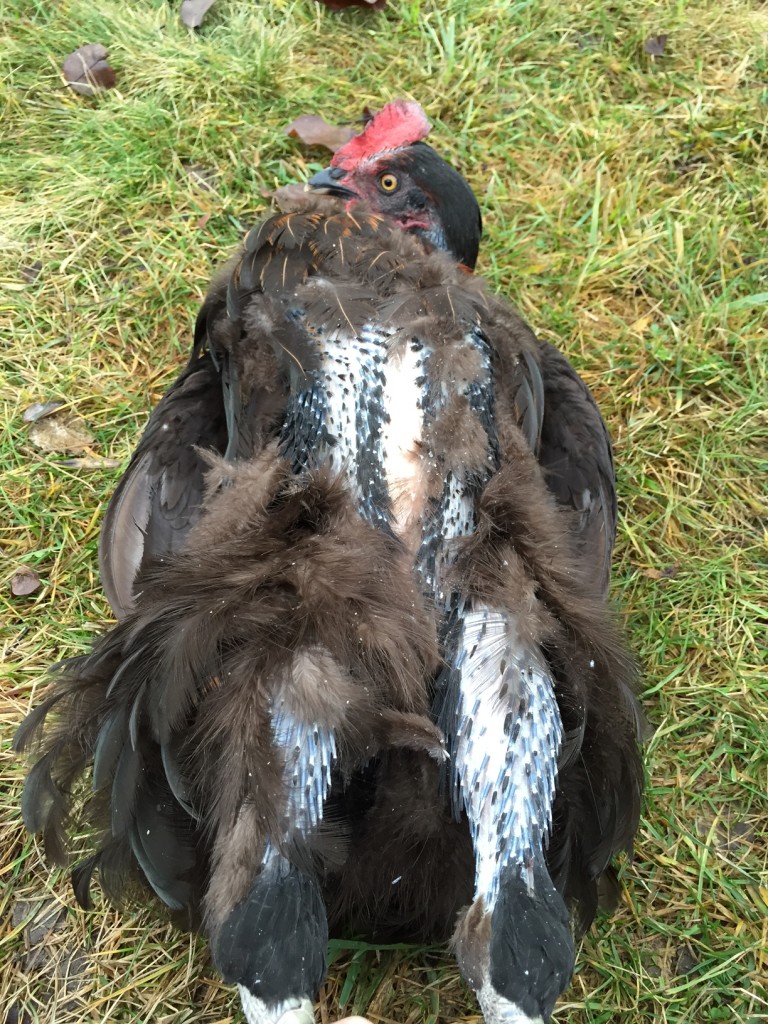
column 82, row 876
column 43, row 805
column 176, row 777
column 126, row 789
column 117, row 871
column 47, row 797
column 109, row 747
column 28, row 731
column 163, row 842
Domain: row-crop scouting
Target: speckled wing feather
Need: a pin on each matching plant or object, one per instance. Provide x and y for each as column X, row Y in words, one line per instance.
column 505, row 734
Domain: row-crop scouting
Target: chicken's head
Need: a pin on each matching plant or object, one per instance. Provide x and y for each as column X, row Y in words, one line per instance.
column 390, row 170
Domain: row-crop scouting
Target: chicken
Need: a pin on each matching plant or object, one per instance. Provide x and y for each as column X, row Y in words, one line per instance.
column 364, row 676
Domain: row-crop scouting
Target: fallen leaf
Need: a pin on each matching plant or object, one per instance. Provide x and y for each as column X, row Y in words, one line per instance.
column 655, row 46
column 683, row 165
column 667, row 573
column 201, row 222
column 39, row 410
column 641, row 326
column 86, row 70
column 60, row 432
column 313, row 130
column 193, row 12
column 740, row 836
column 49, row 953
column 24, row 581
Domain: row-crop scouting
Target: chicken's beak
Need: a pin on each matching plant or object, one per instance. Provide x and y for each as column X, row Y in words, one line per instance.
column 328, row 182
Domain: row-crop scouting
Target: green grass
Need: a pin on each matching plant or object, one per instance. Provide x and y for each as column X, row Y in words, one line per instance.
column 626, row 213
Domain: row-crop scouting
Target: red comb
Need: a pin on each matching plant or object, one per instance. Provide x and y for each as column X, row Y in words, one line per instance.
column 400, row 123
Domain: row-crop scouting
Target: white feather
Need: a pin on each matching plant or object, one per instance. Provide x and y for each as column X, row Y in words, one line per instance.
column 402, row 440
column 507, row 735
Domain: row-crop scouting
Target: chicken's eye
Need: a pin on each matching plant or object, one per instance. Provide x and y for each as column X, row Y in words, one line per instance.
column 388, row 182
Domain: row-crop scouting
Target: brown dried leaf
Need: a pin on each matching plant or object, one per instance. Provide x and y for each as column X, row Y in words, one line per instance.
column 193, row 12
column 655, row 46
column 40, row 410
column 24, row 581
column 668, row 572
column 60, row 432
column 313, row 130
column 86, row 70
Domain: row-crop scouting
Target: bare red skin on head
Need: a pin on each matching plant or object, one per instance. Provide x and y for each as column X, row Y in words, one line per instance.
column 400, row 123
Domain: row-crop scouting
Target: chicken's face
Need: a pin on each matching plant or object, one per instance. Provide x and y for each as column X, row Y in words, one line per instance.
column 389, row 170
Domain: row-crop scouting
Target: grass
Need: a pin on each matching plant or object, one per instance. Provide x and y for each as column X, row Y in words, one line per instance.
column 626, row 213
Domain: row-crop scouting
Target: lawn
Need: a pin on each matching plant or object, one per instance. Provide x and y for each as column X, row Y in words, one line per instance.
column 625, row 200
